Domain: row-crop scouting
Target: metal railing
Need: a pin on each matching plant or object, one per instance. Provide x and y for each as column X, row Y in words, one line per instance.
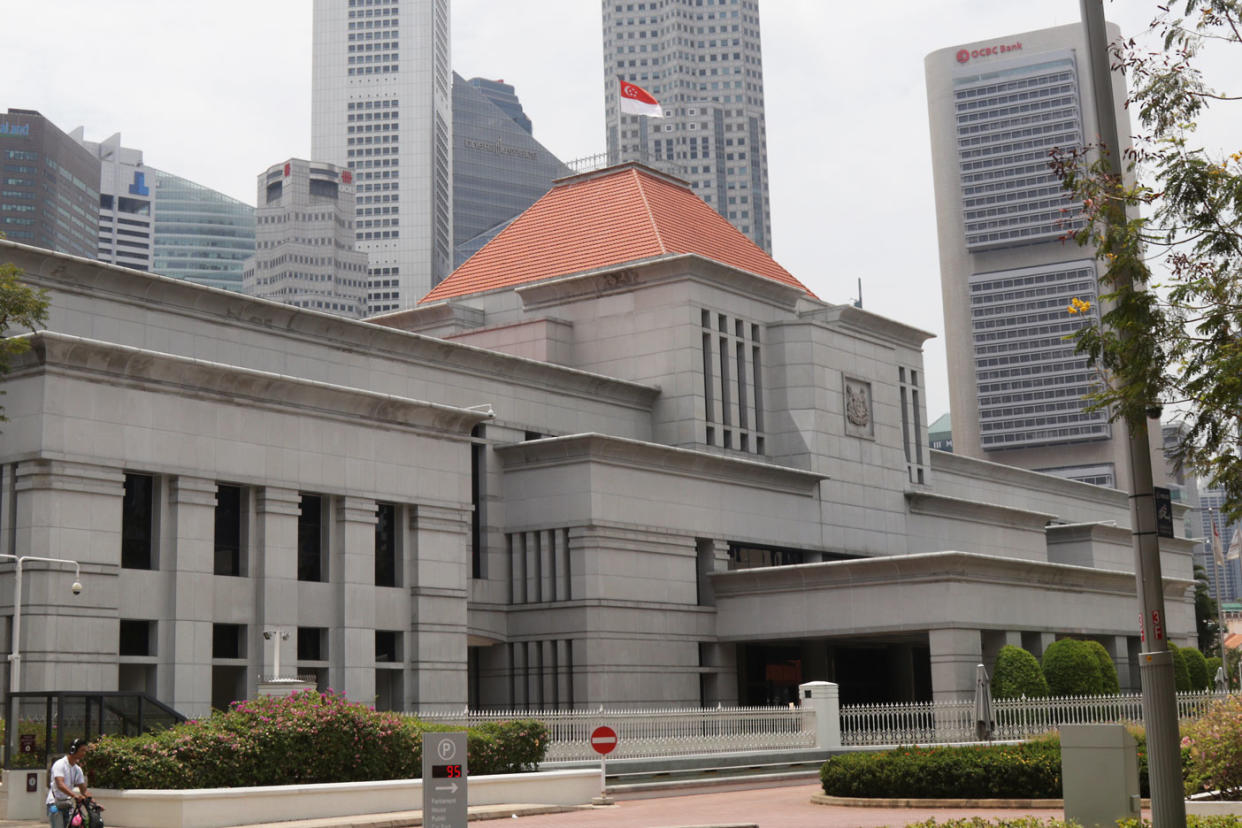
column 659, row 732
column 38, row 725
column 924, row 723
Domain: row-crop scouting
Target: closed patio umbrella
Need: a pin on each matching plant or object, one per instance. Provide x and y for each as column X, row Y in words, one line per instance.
column 985, row 725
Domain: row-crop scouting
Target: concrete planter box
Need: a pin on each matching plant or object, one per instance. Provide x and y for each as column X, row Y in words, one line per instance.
column 219, row 807
column 1213, row 807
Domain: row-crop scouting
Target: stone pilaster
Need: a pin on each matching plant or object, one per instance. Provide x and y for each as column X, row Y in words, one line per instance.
column 72, row 511
column 185, row 639
column 954, row 655
column 439, row 573
column 275, row 571
column 352, row 648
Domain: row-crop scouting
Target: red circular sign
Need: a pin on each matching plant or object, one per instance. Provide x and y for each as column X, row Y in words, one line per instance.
column 962, row 56
column 604, row 740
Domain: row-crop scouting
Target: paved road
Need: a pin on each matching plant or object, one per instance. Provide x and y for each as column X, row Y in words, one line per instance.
column 785, row 807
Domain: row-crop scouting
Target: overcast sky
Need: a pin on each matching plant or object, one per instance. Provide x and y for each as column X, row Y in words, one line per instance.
column 218, row 91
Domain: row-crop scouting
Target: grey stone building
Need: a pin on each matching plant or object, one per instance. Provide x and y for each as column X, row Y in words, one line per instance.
column 593, row 467
column 304, row 240
column 50, row 197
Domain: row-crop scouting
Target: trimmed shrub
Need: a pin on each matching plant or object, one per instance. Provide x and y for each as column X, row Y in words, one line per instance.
column 1071, row 669
column 304, row 738
column 1108, row 670
column 1030, row 769
column 1017, row 674
column 1192, row 821
column 1215, row 747
column 1196, row 667
column 1181, row 673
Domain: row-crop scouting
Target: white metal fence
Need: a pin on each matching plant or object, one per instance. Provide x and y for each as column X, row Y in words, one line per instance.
column 922, row 723
column 660, row 732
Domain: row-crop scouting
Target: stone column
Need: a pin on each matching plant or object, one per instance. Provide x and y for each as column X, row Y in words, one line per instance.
column 994, row 641
column 352, row 571
column 439, row 587
column 275, row 573
column 185, row 639
column 1036, row 642
column 954, row 656
column 1118, row 647
column 73, row 511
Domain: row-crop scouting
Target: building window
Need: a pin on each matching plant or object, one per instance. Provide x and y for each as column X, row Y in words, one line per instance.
column 137, row 522
column 137, row 638
column 228, row 641
column 312, row 644
column 388, row 647
column 310, row 539
column 228, row 535
column 478, row 469
column 386, row 546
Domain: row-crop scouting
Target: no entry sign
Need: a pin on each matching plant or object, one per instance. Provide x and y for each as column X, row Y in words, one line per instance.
column 604, row 740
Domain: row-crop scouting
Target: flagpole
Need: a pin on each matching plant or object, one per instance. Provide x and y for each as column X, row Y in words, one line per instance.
column 1222, row 570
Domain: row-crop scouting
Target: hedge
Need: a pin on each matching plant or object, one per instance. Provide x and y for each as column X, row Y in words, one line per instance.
column 1017, row 674
column 1030, row 770
column 1108, row 670
column 1071, row 669
column 304, row 738
column 1181, row 672
column 1192, row 821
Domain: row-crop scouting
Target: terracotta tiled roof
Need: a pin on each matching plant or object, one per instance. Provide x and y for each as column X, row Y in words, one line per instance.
column 1233, row 641
column 602, row 219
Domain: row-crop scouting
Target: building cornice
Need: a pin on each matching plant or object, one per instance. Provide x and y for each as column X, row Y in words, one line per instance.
column 601, row 448
column 121, row 365
column 998, row 474
column 857, row 320
column 956, row 508
column 933, row 567
column 89, row 278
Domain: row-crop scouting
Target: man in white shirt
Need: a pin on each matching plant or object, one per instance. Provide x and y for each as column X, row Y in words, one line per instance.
column 66, row 775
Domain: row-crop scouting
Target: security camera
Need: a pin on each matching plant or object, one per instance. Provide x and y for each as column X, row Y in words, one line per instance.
column 77, row 588
column 267, row 635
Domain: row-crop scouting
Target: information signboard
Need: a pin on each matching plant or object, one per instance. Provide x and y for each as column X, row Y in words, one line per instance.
column 444, row 780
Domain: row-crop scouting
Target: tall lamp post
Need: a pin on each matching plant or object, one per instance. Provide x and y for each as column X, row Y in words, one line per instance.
column 15, row 656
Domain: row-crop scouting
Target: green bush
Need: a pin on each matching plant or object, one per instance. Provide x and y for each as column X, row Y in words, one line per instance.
column 1030, row 769
column 1017, row 674
column 299, row 739
column 1108, row 670
column 1071, row 669
column 1196, row 667
column 1214, row 744
column 1192, row 821
column 1181, row 672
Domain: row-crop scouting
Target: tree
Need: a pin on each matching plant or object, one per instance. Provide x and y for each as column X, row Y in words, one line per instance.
column 1179, row 341
column 1206, row 625
column 22, row 308
column 1017, row 674
column 1181, row 672
column 1071, row 669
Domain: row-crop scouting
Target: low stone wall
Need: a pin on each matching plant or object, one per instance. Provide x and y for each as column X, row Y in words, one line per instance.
column 1213, row 807
column 219, row 807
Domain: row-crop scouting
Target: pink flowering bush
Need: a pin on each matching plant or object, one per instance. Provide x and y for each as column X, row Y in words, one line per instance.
column 307, row 737
column 1214, row 745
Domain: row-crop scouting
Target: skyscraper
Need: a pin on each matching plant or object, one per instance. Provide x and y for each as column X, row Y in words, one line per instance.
column 998, row 108
column 126, row 202
column 201, row 235
column 381, row 105
column 304, row 246
column 499, row 169
column 701, row 59
column 51, row 186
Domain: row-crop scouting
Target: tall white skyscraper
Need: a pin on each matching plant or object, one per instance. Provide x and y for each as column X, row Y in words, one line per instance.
column 1016, row 386
column 126, row 203
column 381, row 105
column 702, row 60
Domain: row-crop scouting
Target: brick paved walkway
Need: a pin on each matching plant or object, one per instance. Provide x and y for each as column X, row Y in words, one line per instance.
column 785, row 807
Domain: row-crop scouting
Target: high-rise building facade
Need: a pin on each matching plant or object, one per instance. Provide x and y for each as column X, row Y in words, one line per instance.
column 1016, row 386
column 126, row 203
column 304, row 245
column 201, row 235
column 702, row 60
column 50, row 193
column 1224, row 582
column 381, row 105
column 499, row 169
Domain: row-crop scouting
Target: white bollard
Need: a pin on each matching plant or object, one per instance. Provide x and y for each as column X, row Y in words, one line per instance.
column 824, row 698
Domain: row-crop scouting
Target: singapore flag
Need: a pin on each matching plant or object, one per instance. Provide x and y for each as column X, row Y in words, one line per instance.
column 638, row 101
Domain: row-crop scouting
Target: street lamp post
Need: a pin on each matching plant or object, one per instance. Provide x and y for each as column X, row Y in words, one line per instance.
column 15, row 656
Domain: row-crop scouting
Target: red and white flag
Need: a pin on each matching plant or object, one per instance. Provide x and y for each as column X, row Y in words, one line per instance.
column 1217, row 553
column 638, row 101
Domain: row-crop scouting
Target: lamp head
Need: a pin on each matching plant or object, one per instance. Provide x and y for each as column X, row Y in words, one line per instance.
column 77, row 588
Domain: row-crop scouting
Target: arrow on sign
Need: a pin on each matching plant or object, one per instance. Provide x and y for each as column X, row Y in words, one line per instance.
column 451, row 788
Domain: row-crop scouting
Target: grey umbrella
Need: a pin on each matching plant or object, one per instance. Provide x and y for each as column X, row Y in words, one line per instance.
column 985, row 724
column 1220, row 680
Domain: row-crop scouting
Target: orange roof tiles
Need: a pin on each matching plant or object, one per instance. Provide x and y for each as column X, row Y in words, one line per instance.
column 602, row 219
